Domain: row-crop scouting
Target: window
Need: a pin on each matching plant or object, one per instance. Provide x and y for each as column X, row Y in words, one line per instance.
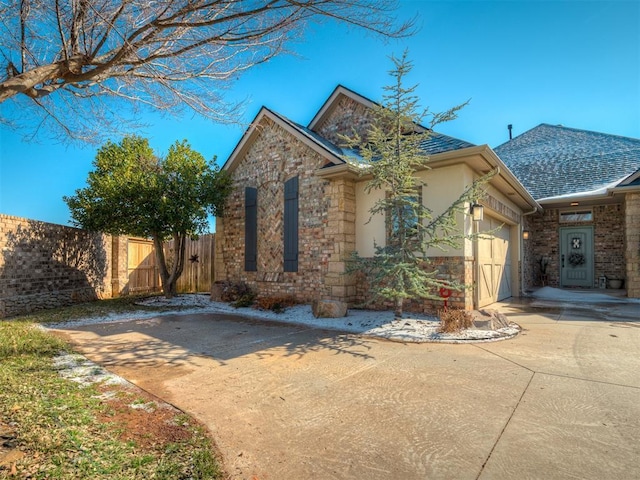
column 406, row 211
column 576, row 216
column 291, row 225
column 250, row 229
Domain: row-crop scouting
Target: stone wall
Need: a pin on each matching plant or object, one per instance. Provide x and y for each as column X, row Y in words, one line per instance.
column 458, row 269
column 45, row 265
column 273, row 158
column 632, row 244
column 609, row 240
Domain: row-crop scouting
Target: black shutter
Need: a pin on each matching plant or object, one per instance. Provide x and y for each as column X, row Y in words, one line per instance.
column 250, row 229
column 291, row 225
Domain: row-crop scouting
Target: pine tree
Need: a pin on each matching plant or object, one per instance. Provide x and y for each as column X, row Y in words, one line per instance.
column 391, row 154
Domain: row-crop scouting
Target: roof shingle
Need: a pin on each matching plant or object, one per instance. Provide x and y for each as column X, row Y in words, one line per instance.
column 554, row 160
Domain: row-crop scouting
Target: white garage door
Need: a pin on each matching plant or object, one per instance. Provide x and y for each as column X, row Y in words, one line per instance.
column 494, row 263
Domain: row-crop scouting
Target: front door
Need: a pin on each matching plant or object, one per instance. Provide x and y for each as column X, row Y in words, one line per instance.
column 576, row 257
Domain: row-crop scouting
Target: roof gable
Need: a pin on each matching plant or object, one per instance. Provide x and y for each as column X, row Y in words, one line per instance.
column 552, row 160
column 311, row 139
column 361, row 120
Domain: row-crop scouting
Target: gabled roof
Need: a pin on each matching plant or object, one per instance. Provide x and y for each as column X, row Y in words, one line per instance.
column 325, row 148
column 552, row 160
column 436, row 143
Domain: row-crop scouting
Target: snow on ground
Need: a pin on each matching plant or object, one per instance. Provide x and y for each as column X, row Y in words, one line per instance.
column 410, row 328
column 579, row 296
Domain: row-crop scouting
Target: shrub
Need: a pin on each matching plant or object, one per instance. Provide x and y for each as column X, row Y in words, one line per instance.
column 245, row 300
column 454, row 320
column 276, row 304
column 234, row 291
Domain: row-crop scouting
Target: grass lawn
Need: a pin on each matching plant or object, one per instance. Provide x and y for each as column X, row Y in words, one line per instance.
column 54, row 428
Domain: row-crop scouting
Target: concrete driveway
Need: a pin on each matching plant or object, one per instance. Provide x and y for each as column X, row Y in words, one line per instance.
column 562, row 400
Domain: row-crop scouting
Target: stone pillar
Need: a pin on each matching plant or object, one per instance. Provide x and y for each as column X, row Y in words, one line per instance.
column 119, row 266
column 341, row 229
column 632, row 243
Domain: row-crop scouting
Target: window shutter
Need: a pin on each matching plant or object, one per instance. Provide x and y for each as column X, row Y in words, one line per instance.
column 250, row 229
column 291, row 225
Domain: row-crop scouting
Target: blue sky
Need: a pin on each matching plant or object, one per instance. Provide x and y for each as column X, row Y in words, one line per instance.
column 575, row 63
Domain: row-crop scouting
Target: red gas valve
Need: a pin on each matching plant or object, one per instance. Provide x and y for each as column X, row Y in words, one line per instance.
column 445, row 293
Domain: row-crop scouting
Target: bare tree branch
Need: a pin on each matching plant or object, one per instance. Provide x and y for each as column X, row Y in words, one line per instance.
column 161, row 54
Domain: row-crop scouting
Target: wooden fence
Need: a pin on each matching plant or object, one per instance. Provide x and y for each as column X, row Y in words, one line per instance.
column 197, row 275
column 142, row 273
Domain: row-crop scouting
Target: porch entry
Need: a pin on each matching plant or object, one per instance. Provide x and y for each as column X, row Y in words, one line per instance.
column 494, row 262
column 576, row 257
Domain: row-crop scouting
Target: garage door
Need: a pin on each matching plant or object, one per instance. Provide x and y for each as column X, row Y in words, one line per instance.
column 494, row 263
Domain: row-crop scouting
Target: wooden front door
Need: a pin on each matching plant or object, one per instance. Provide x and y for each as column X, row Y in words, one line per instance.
column 576, row 257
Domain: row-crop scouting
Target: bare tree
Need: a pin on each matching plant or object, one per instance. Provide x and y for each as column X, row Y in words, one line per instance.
column 66, row 61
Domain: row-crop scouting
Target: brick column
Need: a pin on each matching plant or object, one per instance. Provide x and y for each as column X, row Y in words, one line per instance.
column 632, row 243
column 341, row 230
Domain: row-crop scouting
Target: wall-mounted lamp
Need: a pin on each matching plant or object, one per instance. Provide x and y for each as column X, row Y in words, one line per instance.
column 525, row 234
column 477, row 212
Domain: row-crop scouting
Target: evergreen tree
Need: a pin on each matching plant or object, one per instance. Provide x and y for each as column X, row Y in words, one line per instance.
column 391, row 153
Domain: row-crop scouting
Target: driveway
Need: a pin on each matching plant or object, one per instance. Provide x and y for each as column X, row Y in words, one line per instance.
column 561, row 400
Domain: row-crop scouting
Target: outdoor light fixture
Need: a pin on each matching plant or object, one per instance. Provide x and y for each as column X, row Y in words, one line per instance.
column 477, row 212
column 575, row 204
column 525, row 234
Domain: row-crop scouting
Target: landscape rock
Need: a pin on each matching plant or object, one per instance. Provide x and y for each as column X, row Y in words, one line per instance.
column 487, row 319
column 328, row 309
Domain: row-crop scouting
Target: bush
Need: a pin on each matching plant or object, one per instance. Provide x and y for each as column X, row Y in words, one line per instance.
column 454, row 320
column 239, row 294
column 275, row 304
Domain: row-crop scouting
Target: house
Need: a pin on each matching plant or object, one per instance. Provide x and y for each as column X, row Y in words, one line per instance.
column 565, row 199
column 298, row 210
column 588, row 184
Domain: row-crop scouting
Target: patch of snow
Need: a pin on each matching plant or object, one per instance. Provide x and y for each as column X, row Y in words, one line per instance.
column 578, row 296
column 410, row 328
column 79, row 369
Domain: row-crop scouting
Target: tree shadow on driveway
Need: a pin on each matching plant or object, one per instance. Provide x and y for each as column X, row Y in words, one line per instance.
column 180, row 339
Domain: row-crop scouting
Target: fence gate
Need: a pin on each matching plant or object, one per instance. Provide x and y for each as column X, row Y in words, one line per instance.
column 143, row 274
column 197, row 275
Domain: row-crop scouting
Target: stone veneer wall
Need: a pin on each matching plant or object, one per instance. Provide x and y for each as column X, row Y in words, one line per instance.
column 632, row 253
column 449, row 268
column 326, row 221
column 609, row 240
column 45, row 265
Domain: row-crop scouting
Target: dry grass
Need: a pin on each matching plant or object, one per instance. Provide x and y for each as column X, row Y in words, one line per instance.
column 54, row 428
column 453, row 320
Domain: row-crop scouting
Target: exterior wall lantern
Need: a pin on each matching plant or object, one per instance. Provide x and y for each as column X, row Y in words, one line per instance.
column 525, row 234
column 477, row 212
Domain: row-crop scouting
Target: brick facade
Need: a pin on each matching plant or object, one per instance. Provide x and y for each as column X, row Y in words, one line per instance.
column 632, row 244
column 275, row 157
column 609, row 244
column 348, row 117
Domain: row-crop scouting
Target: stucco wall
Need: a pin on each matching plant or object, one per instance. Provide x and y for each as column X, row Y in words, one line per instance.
column 443, row 186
